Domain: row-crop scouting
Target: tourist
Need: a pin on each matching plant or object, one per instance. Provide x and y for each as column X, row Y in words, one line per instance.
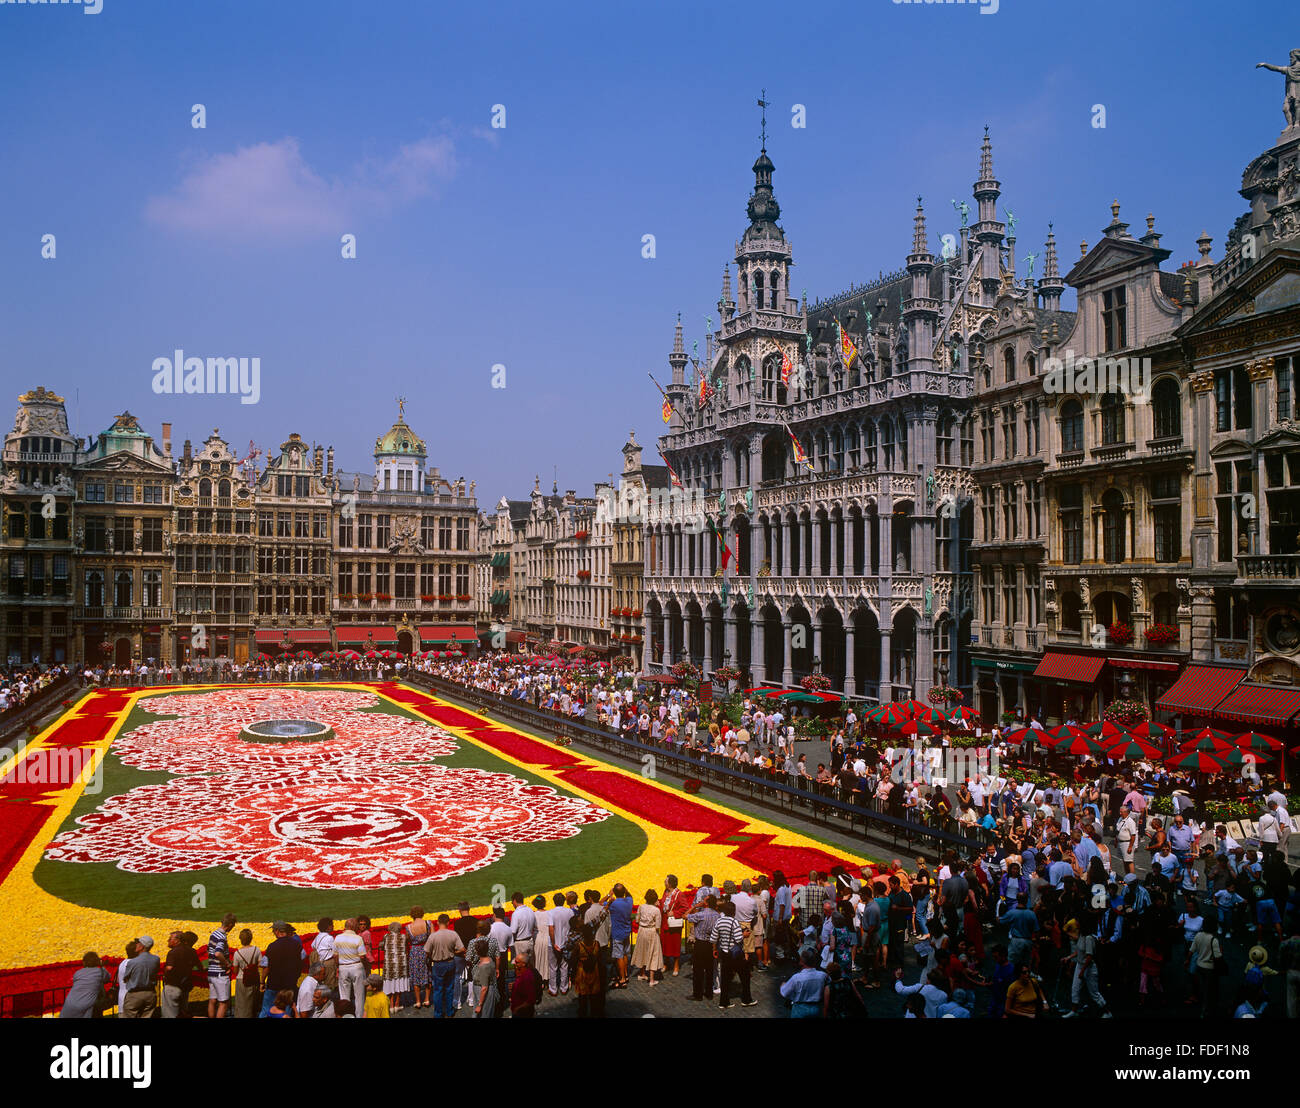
column 282, row 962
column 647, row 958
column 88, row 996
column 245, row 963
column 588, row 975
column 397, row 978
column 281, row 1005
column 703, row 922
column 620, row 906
column 672, row 906
column 140, row 980
column 178, row 977
column 417, row 959
column 376, row 1006
column 353, row 961
column 219, row 968
column 526, row 990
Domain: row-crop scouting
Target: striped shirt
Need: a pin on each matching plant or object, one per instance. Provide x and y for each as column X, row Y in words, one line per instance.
column 727, row 934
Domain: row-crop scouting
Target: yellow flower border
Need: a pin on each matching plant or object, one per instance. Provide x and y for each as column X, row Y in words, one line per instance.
column 37, row 927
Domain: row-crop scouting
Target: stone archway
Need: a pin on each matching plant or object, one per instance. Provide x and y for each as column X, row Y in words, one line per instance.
column 405, row 642
column 122, row 652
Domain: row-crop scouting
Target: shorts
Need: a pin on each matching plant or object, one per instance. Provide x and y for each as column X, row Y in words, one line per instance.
column 620, row 948
column 219, row 988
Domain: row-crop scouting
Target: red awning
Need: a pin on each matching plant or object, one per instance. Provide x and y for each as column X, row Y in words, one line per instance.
column 1079, row 669
column 515, row 637
column 575, row 649
column 1200, row 689
column 442, row 632
column 1260, row 704
column 359, row 632
column 1143, row 663
column 317, row 636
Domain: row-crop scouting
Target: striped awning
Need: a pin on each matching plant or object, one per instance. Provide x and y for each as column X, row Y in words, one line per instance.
column 1249, row 703
column 1143, row 663
column 381, row 634
column 1077, row 669
column 441, row 634
column 1200, row 689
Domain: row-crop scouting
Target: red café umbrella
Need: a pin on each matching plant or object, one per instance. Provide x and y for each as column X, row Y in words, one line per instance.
column 930, row 715
column 1017, row 734
column 1240, row 757
column 1253, row 740
column 1106, row 730
column 1132, row 749
column 1198, row 761
column 1063, row 732
column 1152, row 731
column 262, row 658
column 1207, row 740
column 1080, row 745
column 966, row 719
column 893, row 714
column 916, row 727
column 915, row 708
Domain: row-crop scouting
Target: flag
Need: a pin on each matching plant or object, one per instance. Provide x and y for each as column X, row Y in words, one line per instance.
column 668, row 410
column 705, row 391
column 672, row 474
column 847, row 350
column 787, row 368
column 800, row 457
column 726, row 550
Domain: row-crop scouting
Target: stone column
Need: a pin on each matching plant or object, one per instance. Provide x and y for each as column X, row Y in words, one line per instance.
column 786, row 528
column 757, row 656
column 817, row 636
column 648, row 634
column 729, row 638
column 707, row 665
column 850, row 661
column 787, row 674
column 850, row 551
column 886, row 681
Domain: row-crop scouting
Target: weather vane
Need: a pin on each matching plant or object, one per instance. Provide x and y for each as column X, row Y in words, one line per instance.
column 762, row 103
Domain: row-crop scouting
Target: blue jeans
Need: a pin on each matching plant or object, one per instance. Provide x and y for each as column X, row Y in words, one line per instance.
column 458, row 980
column 443, row 974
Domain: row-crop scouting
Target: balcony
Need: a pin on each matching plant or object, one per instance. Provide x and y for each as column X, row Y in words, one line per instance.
column 1070, row 459
column 122, row 614
column 1268, row 569
column 1112, row 452
column 1168, row 445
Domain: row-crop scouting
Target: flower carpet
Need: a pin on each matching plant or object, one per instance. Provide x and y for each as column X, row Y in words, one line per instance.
column 405, row 800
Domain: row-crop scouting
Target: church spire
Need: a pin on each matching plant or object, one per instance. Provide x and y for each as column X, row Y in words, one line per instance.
column 1051, row 286
column 677, row 359
column 919, row 245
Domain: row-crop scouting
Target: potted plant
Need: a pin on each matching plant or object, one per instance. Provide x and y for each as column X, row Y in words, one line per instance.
column 636, row 613
column 1126, row 712
column 944, row 694
column 726, row 673
column 685, row 671
column 816, row 682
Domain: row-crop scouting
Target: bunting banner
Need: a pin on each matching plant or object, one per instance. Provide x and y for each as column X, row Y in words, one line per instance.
column 705, row 391
column 847, row 350
column 672, row 475
column 726, row 550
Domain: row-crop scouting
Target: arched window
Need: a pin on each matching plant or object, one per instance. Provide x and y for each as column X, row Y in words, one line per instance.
column 758, row 288
column 1031, row 364
column 869, row 444
column 223, row 488
column 205, row 487
column 1008, row 363
column 774, row 286
column 902, row 443
column 1112, row 526
column 837, row 451
column 122, row 588
column 1071, row 427
column 1166, row 409
column 1112, row 419
column 968, row 441
column 94, row 589
column 852, row 446
column 887, row 442
column 947, row 425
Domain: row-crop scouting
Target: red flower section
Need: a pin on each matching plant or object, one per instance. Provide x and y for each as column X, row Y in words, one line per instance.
column 339, row 829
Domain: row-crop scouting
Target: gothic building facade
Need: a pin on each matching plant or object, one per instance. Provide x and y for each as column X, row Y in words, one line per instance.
column 824, row 453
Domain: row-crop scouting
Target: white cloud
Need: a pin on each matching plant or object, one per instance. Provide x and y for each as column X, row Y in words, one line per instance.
column 269, row 190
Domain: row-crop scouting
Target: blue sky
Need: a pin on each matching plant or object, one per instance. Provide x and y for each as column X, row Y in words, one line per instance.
column 521, row 246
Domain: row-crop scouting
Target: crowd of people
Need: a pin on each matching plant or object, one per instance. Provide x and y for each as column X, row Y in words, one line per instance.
column 1080, row 896
column 19, row 685
column 1053, row 927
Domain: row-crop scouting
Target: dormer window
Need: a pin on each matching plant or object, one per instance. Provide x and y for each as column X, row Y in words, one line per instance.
column 1114, row 318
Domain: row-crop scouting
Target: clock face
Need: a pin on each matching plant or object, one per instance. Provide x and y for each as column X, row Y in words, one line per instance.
column 1282, row 632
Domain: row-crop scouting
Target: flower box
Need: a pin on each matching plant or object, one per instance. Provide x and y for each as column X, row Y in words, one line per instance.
column 1119, row 634
column 816, row 682
column 1126, row 712
column 582, row 536
column 636, row 613
column 1159, row 634
column 464, row 597
column 584, row 575
column 428, row 596
column 383, row 596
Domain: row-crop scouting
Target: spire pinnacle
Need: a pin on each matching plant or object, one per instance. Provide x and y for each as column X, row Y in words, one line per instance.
column 919, row 245
column 986, row 157
column 1051, row 268
column 762, row 103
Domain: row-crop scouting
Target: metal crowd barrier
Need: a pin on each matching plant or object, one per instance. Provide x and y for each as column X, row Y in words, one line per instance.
column 767, row 787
